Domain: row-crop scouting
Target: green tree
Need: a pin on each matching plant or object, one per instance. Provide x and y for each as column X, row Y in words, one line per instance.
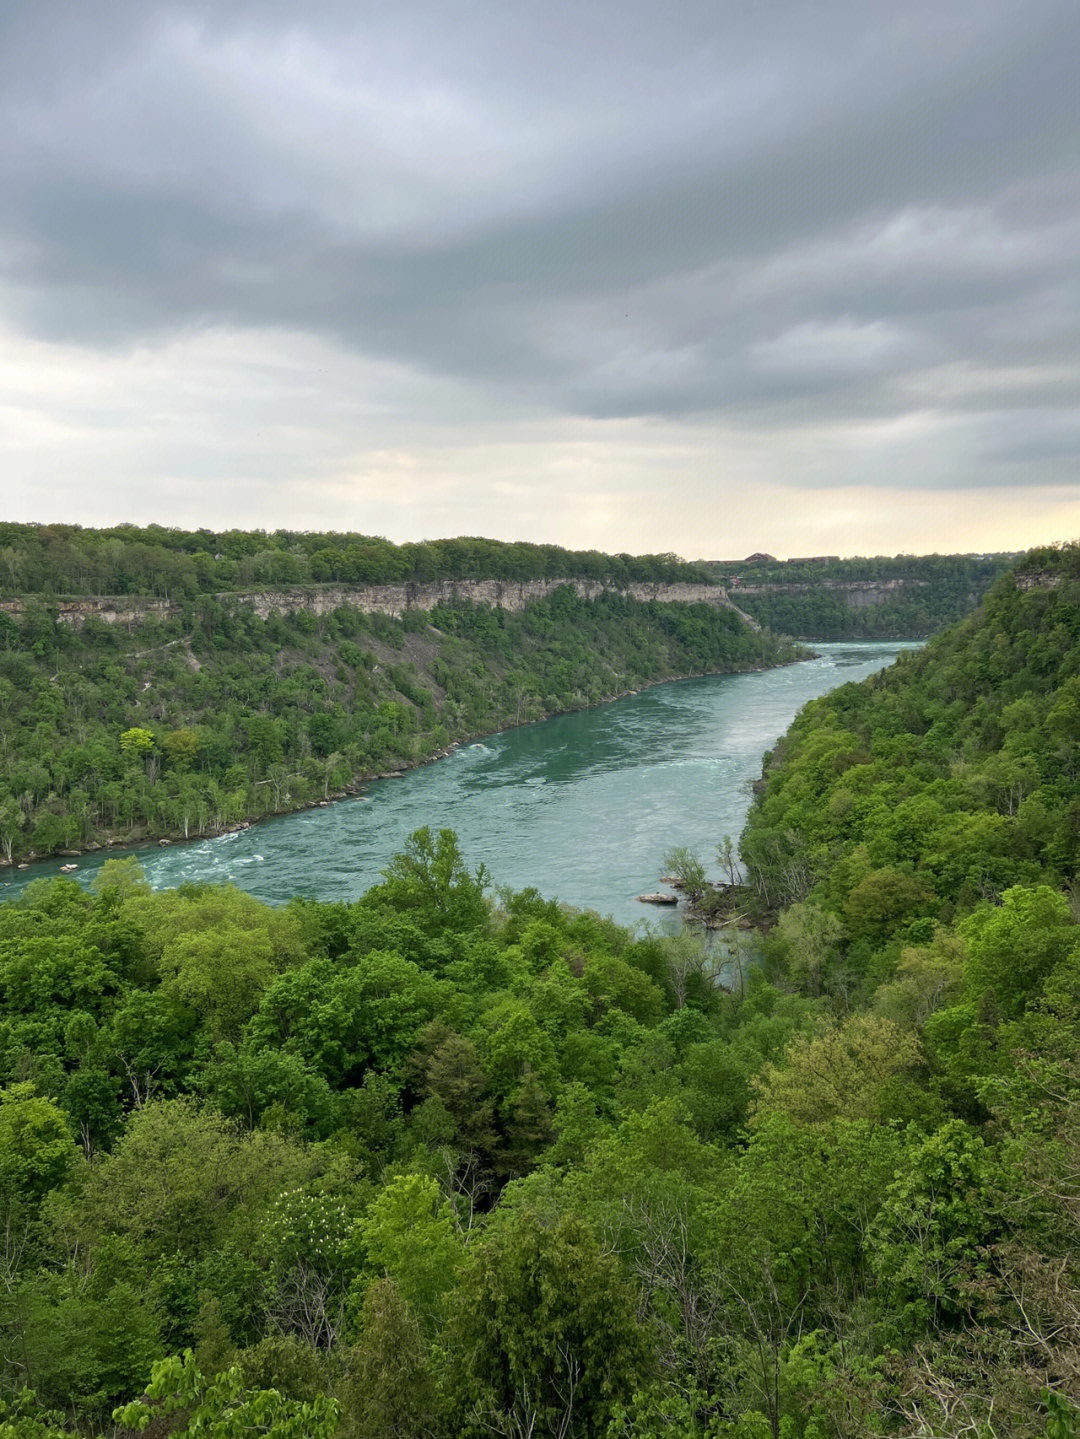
column 810, row 936
column 843, row 1071
column 410, row 1237
column 387, row 1390
column 543, row 1330
column 224, row 1406
column 36, row 1147
column 934, row 1224
column 136, row 742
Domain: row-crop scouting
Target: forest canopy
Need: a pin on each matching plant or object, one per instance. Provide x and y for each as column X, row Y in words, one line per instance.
column 451, row 1162
column 55, row 560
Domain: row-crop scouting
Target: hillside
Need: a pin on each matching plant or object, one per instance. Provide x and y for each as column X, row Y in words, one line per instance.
column 960, row 761
column 431, row 1166
column 134, row 717
column 921, row 832
column 827, row 598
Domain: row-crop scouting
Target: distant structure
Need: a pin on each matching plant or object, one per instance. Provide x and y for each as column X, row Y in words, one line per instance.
column 761, row 559
column 815, row 560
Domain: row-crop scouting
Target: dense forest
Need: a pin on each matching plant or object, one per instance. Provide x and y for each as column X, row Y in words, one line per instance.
column 452, row 1163
column 180, row 727
column 54, row 560
column 929, row 593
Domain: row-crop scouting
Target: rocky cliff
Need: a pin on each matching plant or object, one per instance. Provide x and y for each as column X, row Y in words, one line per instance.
column 857, row 593
column 383, row 599
column 1036, row 580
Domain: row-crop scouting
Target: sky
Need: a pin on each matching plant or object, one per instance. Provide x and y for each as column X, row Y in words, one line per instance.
column 798, row 275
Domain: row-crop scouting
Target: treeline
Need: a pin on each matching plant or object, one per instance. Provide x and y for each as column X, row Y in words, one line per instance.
column 53, row 560
column 179, row 728
column 938, row 591
column 946, row 570
column 425, row 1165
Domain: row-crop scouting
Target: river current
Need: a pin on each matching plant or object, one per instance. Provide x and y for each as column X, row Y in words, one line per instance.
column 583, row 807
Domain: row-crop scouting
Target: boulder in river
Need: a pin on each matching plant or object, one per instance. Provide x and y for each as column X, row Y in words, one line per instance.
column 658, row 898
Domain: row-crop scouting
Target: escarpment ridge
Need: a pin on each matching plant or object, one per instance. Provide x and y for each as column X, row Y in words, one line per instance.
column 387, row 599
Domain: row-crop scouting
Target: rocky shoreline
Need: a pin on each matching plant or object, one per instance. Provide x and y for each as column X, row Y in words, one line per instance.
column 719, row 906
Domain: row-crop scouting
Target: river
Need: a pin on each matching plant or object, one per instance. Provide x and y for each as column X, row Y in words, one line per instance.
column 583, row 807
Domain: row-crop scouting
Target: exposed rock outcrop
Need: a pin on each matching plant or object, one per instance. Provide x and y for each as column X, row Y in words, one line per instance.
column 857, row 593
column 1036, row 580
column 385, row 599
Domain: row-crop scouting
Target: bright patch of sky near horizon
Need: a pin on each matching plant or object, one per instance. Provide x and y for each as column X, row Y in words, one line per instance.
column 794, row 276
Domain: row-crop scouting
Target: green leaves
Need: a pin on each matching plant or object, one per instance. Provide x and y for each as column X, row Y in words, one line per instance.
column 410, row 1236
column 934, row 1223
column 36, row 1148
column 543, row 1329
column 224, row 1407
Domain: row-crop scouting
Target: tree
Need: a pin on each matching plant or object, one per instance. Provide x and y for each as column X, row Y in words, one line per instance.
column 429, row 879
column 12, row 821
column 728, row 858
column 842, row 1071
column 884, row 899
column 687, row 870
column 224, row 1406
column 136, row 742
column 687, row 956
column 181, row 746
column 209, row 1177
column 544, row 1335
column 121, row 876
column 388, row 1391
column 36, row 1147
column 934, row 1224
column 410, row 1236
column 810, row 936
column 1014, row 947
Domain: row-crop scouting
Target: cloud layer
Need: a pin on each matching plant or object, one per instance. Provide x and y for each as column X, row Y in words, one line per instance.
column 591, row 273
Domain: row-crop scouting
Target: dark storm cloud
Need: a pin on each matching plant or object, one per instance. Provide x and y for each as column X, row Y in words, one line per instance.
column 783, row 213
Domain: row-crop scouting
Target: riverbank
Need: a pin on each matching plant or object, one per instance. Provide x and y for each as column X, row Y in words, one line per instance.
column 719, row 906
column 168, row 837
column 583, row 807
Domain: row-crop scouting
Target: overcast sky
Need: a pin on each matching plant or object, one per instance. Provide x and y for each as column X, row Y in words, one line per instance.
column 795, row 275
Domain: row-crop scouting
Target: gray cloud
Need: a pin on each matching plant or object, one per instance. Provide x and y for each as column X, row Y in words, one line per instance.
column 781, row 214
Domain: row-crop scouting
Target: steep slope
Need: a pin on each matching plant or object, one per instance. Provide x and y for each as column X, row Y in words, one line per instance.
column 959, row 767
column 220, row 711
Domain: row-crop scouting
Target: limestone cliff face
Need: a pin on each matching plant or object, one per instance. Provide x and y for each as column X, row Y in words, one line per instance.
column 1037, row 580
column 506, row 594
column 385, row 599
column 857, row 593
column 111, row 610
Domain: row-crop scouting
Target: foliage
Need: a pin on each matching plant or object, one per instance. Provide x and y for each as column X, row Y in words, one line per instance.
column 224, row 1406
column 440, row 1164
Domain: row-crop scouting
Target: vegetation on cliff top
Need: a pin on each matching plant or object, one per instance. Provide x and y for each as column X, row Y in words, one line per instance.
column 50, row 560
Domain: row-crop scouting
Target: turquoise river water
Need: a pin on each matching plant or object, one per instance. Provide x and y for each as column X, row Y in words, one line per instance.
column 583, row 807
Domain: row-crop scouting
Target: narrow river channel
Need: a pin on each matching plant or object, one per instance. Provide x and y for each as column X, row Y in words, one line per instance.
column 583, row 807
